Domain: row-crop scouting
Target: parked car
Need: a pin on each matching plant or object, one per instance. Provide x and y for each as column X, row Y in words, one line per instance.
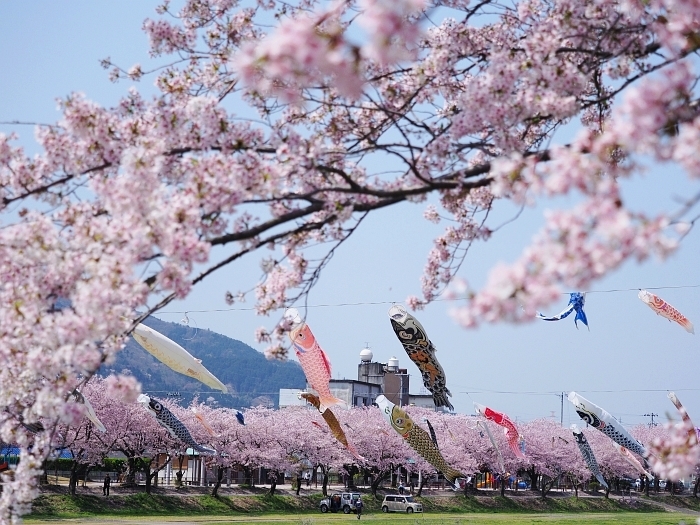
column 626, row 483
column 676, row 487
column 662, row 483
column 344, row 501
column 398, row 503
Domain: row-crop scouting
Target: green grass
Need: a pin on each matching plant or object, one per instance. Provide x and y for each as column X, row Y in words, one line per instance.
column 533, row 504
column 65, row 506
column 619, row 518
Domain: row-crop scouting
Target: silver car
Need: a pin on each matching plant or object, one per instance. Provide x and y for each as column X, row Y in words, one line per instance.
column 398, row 503
column 336, row 502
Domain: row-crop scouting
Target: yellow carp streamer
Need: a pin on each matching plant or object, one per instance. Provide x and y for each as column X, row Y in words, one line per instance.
column 418, row 438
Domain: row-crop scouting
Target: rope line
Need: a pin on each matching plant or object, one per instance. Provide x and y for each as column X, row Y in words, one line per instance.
column 336, row 305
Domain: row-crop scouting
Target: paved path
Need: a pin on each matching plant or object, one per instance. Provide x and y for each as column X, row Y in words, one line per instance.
column 671, row 508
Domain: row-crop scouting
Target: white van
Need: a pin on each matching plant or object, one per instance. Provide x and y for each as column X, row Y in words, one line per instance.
column 397, row 503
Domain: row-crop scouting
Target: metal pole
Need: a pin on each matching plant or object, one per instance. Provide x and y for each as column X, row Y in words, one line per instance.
column 562, row 409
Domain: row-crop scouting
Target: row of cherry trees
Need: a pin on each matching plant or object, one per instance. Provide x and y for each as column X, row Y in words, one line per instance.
column 286, row 439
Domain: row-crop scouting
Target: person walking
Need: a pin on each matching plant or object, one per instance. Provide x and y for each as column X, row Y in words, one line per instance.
column 358, row 507
column 401, row 487
column 106, row 484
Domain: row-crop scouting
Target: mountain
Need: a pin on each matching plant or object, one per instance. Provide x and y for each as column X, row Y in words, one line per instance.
column 251, row 379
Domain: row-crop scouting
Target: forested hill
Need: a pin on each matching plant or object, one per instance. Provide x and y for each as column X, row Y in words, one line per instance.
column 250, row 378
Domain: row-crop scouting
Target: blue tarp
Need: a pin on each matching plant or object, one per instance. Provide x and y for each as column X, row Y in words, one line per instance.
column 14, row 451
column 9, row 451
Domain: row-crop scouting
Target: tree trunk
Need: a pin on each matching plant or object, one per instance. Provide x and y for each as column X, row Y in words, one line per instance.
column 324, row 485
column 378, row 480
column 44, row 480
column 151, row 474
column 503, row 487
column 273, row 484
column 423, row 481
column 219, row 478
column 466, row 488
column 146, row 466
column 299, row 481
column 533, row 478
column 696, row 487
column 73, row 480
column 547, row 484
column 351, row 476
column 130, row 477
column 247, row 476
column 87, row 471
column 179, row 474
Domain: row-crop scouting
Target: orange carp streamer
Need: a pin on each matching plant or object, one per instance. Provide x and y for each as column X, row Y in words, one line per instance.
column 204, row 423
column 313, row 360
column 333, row 424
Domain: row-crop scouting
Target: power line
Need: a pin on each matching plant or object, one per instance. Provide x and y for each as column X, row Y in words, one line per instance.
column 645, row 288
column 370, row 303
column 558, row 393
column 234, row 394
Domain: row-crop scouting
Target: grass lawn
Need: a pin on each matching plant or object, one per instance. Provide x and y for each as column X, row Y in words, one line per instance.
column 618, row 518
column 50, row 506
column 177, row 508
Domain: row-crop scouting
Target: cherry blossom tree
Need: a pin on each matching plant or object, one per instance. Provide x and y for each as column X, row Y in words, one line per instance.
column 83, row 448
column 261, row 444
column 382, row 447
column 361, row 104
column 670, row 453
column 218, row 425
column 134, row 432
column 321, row 449
column 550, row 452
column 289, row 438
column 81, row 438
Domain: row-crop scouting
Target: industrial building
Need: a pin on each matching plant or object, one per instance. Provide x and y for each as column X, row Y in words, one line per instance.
column 373, row 379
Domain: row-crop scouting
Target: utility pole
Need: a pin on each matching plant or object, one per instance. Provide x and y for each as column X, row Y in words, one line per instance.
column 652, row 416
column 561, row 421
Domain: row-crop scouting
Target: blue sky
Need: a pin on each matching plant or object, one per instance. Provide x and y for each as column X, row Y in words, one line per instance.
column 625, row 363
